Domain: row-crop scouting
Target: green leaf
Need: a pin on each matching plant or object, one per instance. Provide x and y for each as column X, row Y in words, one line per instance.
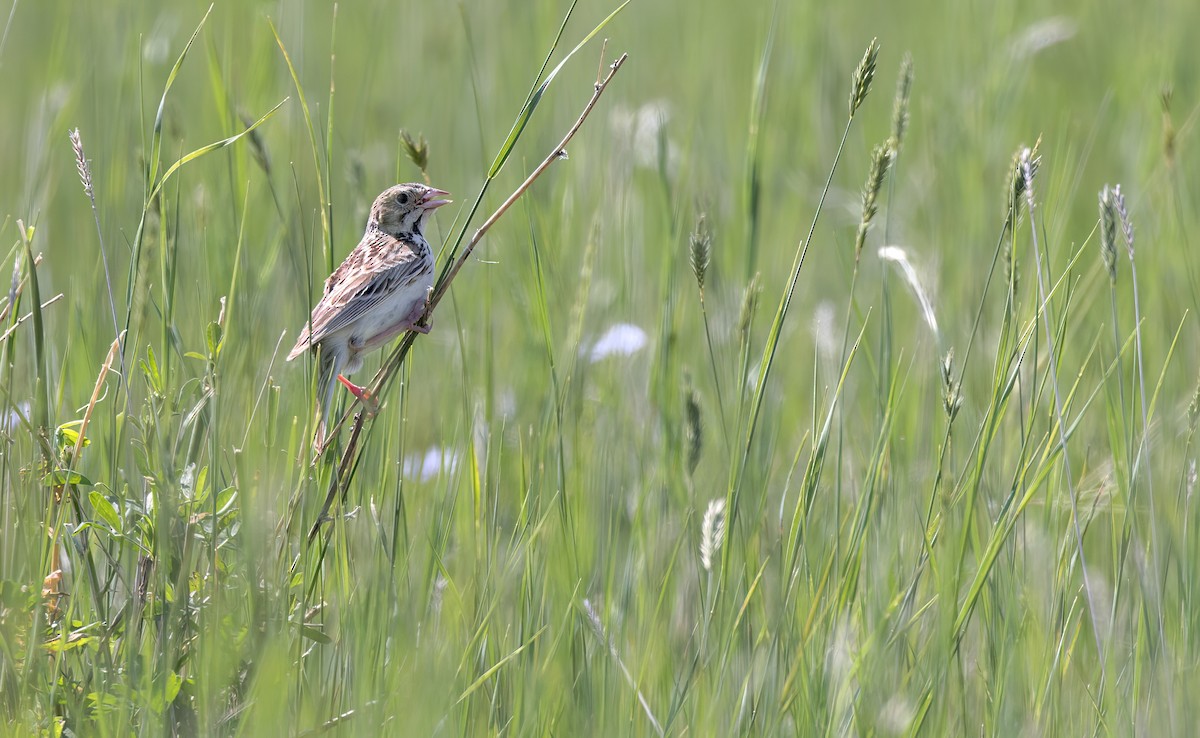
column 200, row 485
column 213, row 336
column 65, row 436
column 63, row 477
column 315, row 635
column 60, row 645
column 104, row 509
column 225, row 500
column 150, row 369
column 174, row 683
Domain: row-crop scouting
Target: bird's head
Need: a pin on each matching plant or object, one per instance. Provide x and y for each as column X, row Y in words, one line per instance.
column 402, row 209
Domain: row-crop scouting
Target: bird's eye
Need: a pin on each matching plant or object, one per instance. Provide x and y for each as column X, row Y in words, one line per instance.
column 402, row 198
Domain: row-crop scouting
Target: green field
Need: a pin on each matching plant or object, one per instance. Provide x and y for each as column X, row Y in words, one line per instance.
column 697, row 446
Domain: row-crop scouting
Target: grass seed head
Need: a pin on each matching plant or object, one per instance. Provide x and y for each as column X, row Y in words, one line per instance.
column 749, row 305
column 693, row 429
column 417, row 150
column 712, row 532
column 881, row 159
column 258, row 147
column 900, row 104
column 1030, row 161
column 1123, row 216
column 701, row 249
column 1108, row 232
column 951, row 389
column 1168, row 126
column 1021, row 172
column 864, row 74
column 81, row 163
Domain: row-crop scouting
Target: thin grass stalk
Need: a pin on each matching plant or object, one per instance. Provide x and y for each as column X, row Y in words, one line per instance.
column 328, row 132
column 701, row 254
column 900, row 118
column 1143, row 456
column 1004, row 383
column 880, row 161
column 1014, row 190
column 41, row 404
column 752, row 184
column 85, row 176
column 1029, row 165
column 860, row 85
column 322, row 198
column 542, row 317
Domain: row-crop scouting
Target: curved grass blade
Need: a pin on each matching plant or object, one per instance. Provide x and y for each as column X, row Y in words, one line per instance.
column 156, row 140
column 536, row 96
column 213, row 147
column 312, row 141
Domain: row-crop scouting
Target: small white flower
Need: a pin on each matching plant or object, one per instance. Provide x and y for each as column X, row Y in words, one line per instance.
column 622, row 339
column 1041, row 35
column 823, row 321
column 428, row 465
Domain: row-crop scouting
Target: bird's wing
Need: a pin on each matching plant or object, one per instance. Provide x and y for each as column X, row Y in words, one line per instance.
column 377, row 267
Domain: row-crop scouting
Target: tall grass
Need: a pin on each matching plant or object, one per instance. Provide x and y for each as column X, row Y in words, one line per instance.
column 709, row 437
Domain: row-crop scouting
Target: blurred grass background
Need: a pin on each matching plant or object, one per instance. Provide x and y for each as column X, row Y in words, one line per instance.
column 519, row 549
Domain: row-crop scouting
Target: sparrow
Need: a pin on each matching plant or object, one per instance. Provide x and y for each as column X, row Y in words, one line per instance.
column 381, row 290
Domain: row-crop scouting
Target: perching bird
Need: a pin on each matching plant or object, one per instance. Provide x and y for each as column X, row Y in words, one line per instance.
column 381, row 290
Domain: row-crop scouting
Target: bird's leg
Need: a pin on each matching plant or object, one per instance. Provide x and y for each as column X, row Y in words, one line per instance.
column 362, row 393
column 419, row 318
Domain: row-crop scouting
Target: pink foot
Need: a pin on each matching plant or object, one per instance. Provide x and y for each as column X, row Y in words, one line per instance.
column 364, row 396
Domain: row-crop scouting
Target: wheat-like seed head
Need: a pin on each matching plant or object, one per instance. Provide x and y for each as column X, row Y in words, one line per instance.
column 749, row 305
column 81, row 163
column 900, row 104
column 881, row 159
column 417, row 150
column 863, row 75
column 951, row 390
column 1029, row 162
column 701, row 249
column 1108, row 232
column 712, row 532
column 1123, row 216
column 1023, row 169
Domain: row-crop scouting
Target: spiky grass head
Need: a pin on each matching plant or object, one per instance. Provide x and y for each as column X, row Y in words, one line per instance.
column 864, row 74
column 1108, row 232
column 712, row 532
column 881, row 159
column 701, row 249
column 900, row 104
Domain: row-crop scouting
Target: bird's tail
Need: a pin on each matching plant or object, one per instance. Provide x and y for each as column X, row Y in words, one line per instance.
column 331, row 361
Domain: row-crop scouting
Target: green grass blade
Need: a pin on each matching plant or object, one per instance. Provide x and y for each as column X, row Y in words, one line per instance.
column 213, row 147
column 536, row 96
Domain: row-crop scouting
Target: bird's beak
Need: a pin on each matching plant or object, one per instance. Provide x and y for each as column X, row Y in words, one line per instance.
column 431, row 201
